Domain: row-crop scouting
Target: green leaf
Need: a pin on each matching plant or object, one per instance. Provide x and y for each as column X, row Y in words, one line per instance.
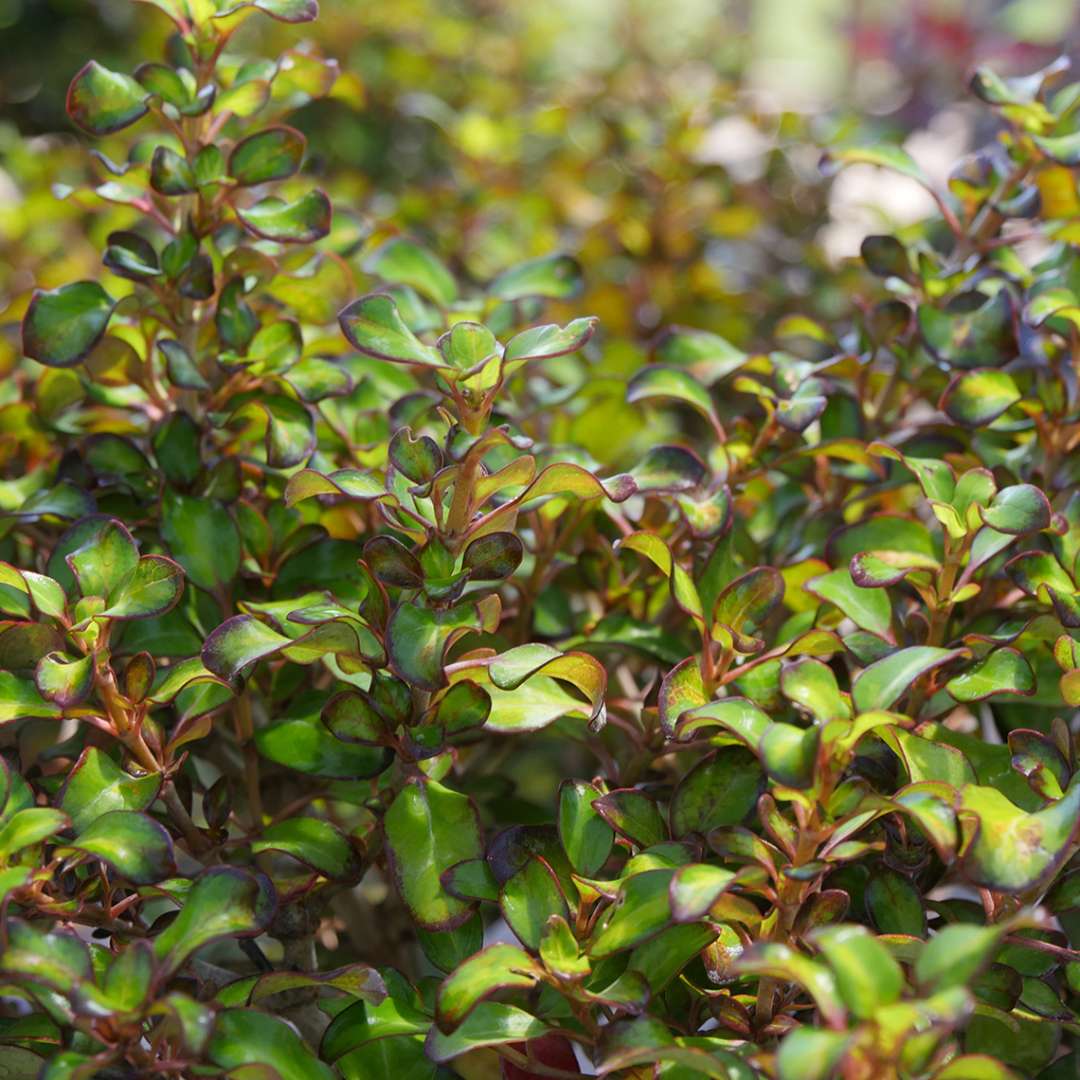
column 418, row 638
column 746, row 603
column 781, row 962
column 53, row 959
column 489, row 1024
column 245, row 1036
column 1006, row 849
column 19, row 698
column 303, row 743
column 222, row 902
column 812, row 685
column 373, row 325
column 498, row 967
column 181, row 368
column 129, row 255
column 471, row 880
column 353, row 719
column 955, row 954
column 895, row 904
column 1003, row 671
column 695, row 888
column 276, row 346
column 352, row 483
column 811, row 1054
column 1019, row 509
column 682, row 689
column 289, row 428
column 634, row 815
column 106, row 557
column 315, row 379
column 101, row 101
column 544, row 342
column 662, row 469
column 656, row 551
column 357, row 980
column 585, row 836
column 866, row 608
column 273, row 154
column 738, row 715
column 240, row 641
column 882, row 684
column 96, row 785
column 170, row 173
column 976, row 398
column 980, row 1067
column 176, row 447
column 1064, row 149
column 14, row 877
column 867, row 977
column 492, row 557
column 465, row 705
column 203, row 538
column 300, row 222
column 29, row 827
column 468, row 346
column 657, row 382
column 446, row 948
column 910, row 540
column 133, row 844
column 529, row 898
column 419, row 458
column 62, row 326
column 928, row 759
column 554, row 277
column 64, row 680
column 539, row 665
column 560, row 951
column 152, row 588
column 789, row 753
column 936, row 477
column 313, row 841
column 403, row 262
column 429, row 828
column 720, row 790
column 643, row 909
column 662, row 958
column 1032, row 570
column 401, row 1013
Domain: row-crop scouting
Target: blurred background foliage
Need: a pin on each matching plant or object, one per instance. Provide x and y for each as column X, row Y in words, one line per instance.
column 673, row 147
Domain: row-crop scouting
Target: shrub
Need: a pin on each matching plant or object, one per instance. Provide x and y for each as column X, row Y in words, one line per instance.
column 294, row 620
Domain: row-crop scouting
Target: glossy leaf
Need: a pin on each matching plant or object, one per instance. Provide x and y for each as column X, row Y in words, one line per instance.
column 497, row 967
column 311, row 840
column 975, row 398
column 429, row 828
column 245, row 1036
column 299, row 222
column 222, row 902
column 101, row 101
column 273, row 154
column 134, row 845
column 97, row 785
column 882, row 684
column 62, row 326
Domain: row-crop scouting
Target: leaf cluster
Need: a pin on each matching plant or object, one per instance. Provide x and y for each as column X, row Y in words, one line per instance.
column 296, row 592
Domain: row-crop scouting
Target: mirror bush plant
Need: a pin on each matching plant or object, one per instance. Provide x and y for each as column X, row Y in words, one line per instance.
column 294, row 599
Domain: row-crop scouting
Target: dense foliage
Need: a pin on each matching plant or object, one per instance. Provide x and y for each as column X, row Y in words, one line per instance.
column 306, row 596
